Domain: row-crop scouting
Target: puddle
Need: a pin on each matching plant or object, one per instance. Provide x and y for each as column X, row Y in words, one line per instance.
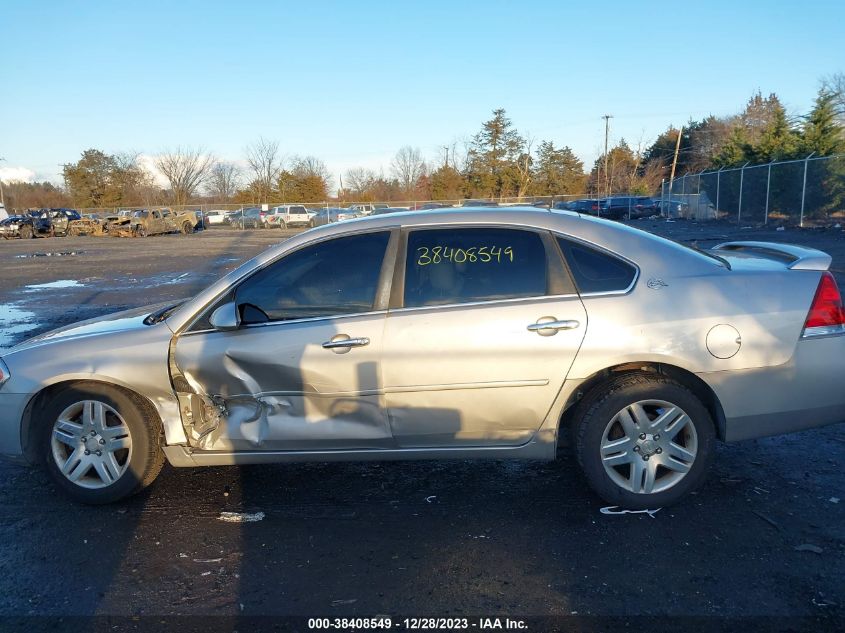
column 61, row 283
column 13, row 322
column 53, row 254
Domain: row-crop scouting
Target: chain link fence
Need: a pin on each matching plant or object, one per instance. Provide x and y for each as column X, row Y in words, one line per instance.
column 805, row 192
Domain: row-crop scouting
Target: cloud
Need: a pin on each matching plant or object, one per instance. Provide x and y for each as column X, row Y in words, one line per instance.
column 148, row 164
column 16, row 174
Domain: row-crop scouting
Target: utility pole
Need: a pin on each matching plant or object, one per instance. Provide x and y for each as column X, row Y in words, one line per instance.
column 446, row 147
column 677, row 149
column 606, row 118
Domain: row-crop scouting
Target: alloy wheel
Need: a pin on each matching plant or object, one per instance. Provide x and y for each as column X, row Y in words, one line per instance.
column 649, row 446
column 91, row 444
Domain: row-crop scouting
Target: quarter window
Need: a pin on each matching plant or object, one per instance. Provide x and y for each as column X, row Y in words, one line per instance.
column 334, row 277
column 446, row 266
column 595, row 271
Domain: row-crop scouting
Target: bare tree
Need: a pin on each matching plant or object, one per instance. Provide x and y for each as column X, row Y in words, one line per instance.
column 264, row 162
column 223, row 181
column 185, row 169
column 360, row 181
column 835, row 84
column 304, row 166
column 524, row 168
column 408, row 167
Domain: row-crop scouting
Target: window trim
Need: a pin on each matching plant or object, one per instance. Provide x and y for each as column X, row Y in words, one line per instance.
column 379, row 304
column 601, row 249
column 397, row 296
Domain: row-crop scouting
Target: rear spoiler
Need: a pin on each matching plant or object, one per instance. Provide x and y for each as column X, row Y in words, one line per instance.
column 795, row 257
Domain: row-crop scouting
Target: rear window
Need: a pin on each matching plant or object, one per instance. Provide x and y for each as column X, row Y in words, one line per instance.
column 447, row 266
column 595, row 271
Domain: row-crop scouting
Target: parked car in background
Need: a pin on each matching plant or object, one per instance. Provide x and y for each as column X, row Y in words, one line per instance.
column 584, row 205
column 672, row 208
column 329, row 215
column 479, row 203
column 432, row 205
column 286, row 216
column 624, row 207
column 479, row 333
column 383, row 210
column 216, row 217
column 248, row 218
column 362, row 209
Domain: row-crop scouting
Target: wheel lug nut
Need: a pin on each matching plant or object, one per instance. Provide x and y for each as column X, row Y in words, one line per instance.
column 93, row 433
column 645, row 458
column 657, row 437
column 99, row 453
column 636, row 449
column 659, row 450
column 87, row 452
column 84, row 439
column 642, row 436
column 102, row 441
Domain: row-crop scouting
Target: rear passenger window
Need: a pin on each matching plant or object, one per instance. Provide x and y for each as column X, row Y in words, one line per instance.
column 594, row 270
column 447, row 266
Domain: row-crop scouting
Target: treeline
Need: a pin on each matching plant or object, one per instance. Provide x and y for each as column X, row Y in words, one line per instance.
column 497, row 161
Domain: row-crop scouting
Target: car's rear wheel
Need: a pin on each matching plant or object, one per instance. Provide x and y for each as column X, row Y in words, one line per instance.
column 643, row 440
column 27, row 233
column 187, row 228
column 100, row 444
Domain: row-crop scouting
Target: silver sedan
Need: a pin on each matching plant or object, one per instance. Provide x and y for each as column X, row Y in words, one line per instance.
column 472, row 333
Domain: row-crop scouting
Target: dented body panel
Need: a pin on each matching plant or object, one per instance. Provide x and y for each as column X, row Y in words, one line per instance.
column 467, row 380
column 274, row 387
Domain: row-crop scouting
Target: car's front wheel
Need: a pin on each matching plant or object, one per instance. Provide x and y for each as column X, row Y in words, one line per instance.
column 643, row 440
column 27, row 233
column 100, row 444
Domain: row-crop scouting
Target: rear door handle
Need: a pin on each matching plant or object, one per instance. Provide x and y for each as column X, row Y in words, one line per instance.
column 342, row 343
column 549, row 326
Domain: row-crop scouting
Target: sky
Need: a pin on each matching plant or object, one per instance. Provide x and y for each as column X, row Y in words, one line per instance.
column 352, row 82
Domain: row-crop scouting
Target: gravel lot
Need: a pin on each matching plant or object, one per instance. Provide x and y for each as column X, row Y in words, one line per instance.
column 764, row 537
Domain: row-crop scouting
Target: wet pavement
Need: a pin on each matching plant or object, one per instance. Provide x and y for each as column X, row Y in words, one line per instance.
column 765, row 536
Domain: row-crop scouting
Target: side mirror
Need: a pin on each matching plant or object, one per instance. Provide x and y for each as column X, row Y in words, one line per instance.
column 225, row 318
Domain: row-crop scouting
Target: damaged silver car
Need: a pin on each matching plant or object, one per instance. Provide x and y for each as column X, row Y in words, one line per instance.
column 471, row 333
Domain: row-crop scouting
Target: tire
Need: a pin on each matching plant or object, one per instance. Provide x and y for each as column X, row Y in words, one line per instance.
column 187, row 229
column 140, row 231
column 610, row 443
column 116, row 419
column 283, row 225
column 27, row 233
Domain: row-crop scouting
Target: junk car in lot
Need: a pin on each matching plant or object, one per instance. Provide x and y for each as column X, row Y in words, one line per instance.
column 146, row 222
column 21, row 226
column 476, row 333
column 55, row 222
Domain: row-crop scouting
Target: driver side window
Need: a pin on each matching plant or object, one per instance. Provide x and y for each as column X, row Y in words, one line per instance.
column 335, row 277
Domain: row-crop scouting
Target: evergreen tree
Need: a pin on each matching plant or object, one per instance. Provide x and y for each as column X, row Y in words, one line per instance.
column 556, row 171
column 822, row 134
column 491, row 168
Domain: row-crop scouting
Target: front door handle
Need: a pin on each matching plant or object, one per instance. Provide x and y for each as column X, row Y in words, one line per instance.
column 549, row 326
column 342, row 343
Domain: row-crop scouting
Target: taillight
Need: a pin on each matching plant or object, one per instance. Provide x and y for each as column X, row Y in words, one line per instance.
column 826, row 316
column 4, row 372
